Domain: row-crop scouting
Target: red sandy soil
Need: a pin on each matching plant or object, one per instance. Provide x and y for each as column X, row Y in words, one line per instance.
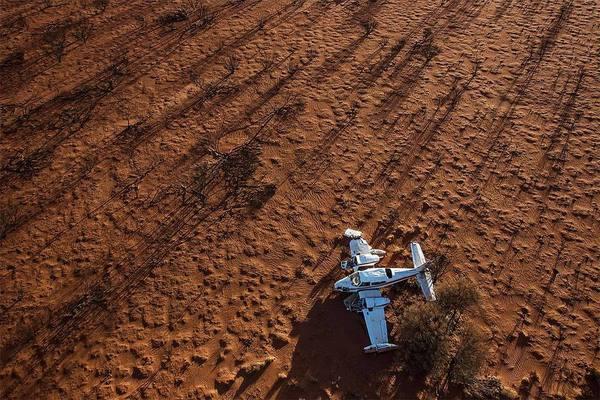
column 173, row 193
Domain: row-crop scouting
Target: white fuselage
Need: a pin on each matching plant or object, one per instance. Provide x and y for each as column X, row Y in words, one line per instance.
column 374, row 278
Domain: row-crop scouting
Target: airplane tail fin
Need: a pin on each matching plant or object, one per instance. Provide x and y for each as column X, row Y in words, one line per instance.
column 423, row 277
column 417, row 254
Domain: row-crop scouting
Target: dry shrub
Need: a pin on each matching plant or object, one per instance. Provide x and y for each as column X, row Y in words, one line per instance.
column 454, row 298
column 203, row 15
column 231, row 64
column 421, row 338
column 26, row 166
column 240, row 164
column 436, row 340
column 438, row 266
column 100, row 5
column 55, row 38
column 489, row 388
column 200, row 179
column 172, row 17
column 261, row 195
column 13, row 60
column 82, row 30
column 468, row 358
column 369, row 26
column 8, row 220
column 290, row 109
column 425, row 46
column 194, row 5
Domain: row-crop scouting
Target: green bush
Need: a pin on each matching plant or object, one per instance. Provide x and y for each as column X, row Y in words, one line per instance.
column 468, row 358
column 457, row 296
column 421, row 338
column 437, row 342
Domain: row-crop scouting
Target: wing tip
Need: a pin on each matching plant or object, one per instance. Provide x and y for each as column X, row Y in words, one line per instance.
column 380, row 348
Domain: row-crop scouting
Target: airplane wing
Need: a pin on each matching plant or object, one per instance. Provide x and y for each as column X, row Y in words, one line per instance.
column 373, row 305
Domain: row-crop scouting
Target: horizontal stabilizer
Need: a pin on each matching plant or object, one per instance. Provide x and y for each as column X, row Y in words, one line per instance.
column 417, row 254
column 380, row 348
column 426, row 284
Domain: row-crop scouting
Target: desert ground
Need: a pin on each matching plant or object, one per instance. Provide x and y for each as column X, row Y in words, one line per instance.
column 176, row 176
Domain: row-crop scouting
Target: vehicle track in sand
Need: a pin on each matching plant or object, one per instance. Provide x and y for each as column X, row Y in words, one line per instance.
column 165, row 253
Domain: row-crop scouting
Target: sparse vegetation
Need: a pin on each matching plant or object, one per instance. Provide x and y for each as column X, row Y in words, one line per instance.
column 171, row 17
column 25, row 166
column 240, row 165
column 438, row 343
column 171, row 218
column 422, row 338
column 290, row 109
column 82, row 30
column 438, row 266
column 368, row 26
column 203, row 15
column 194, row 5
column 488, row 388
column 261, row 195
column 425, row 47
column 100, row 5
column 454, row 298
column 200, row 179
column 8, row 219
column 54, row 38
column 469, row 355
column 231, row 64
column 13, row 60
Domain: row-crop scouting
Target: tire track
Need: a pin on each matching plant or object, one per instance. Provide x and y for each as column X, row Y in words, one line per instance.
column 135, row 68
column 222, row 192
column 130, row 138
column 131, row 42
column 134, row 135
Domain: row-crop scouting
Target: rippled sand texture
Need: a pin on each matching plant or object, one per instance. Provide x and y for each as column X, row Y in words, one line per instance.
column 174, row 186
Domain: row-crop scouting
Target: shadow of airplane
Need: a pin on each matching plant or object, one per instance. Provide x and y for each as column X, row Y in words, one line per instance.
column 329, row 359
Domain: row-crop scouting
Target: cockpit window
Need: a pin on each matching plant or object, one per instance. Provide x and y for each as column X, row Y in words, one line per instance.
column 355, row 279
